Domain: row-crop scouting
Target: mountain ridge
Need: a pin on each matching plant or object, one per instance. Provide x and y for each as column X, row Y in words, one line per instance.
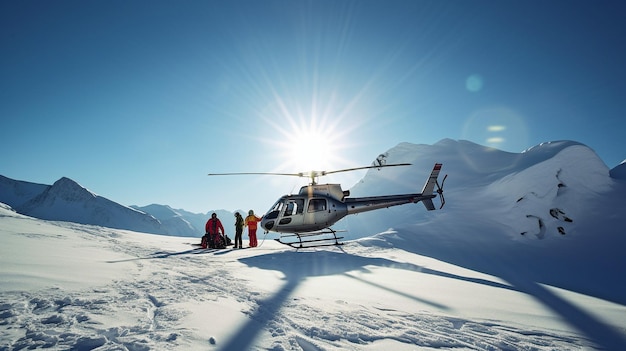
column 469, row 166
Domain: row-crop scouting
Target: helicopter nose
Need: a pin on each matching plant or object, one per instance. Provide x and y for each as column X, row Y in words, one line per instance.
column 268, row 225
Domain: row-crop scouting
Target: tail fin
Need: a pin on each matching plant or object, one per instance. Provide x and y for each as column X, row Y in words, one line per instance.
column 429, row 187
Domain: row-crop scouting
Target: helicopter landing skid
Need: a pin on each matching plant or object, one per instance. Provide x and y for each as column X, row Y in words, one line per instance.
column 312, row 239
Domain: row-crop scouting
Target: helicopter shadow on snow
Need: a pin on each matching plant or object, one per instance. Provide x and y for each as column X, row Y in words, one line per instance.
column 301, row 265
column 530, row 274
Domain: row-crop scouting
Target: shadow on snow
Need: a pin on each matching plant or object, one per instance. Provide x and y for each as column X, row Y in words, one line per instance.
column 298, row 266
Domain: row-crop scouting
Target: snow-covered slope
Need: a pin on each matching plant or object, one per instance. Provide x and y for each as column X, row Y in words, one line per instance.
column 68, row 286
column 535, row 209
column 520, row 216
column 528, row 253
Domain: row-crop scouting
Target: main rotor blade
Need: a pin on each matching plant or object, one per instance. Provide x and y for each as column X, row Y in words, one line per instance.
column 310, row 174
column 366, row 167
column 258, row 173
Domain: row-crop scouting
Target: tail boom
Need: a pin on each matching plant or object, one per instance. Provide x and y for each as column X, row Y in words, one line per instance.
column 364, row 204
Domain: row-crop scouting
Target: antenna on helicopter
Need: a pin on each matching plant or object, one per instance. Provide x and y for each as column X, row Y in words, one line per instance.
column 381, row 160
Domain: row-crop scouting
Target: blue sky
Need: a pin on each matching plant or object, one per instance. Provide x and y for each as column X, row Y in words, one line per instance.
column 139, row 100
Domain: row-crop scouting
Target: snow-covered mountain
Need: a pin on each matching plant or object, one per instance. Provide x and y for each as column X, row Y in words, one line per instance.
column 66, row 200
column 474, row 171
column 481, row 178
column 527, row 254
column 16, row 193
column 533, row 210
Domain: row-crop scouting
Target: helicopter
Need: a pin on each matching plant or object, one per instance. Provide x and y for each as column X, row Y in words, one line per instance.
column 304, row 219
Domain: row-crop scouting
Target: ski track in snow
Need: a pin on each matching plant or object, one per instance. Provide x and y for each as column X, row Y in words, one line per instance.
column 153, row 301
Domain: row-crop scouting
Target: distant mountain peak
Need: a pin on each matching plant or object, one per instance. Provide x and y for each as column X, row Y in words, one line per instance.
column 553, row 145
column 69, row 190
column 619, row 172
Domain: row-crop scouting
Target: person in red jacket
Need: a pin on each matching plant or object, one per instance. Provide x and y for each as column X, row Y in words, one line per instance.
column 251, row 222
column 213, row 227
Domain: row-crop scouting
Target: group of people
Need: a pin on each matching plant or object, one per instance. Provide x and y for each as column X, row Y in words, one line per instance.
column 215, row 236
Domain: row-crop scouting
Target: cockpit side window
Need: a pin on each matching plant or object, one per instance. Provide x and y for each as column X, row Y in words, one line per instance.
column 316, row 205
column 299, row 206
column 289, row 209
column 295, row 206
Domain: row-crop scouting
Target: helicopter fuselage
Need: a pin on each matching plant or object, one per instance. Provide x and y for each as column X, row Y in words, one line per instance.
column 319, row 206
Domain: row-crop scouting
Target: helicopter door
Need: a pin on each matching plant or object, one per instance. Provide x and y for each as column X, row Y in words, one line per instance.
column 318, row 210
column 293, row 212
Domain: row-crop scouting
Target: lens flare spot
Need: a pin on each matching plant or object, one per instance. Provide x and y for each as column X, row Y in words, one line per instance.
column 495, row 140
column 474, row 83
column 496, row 129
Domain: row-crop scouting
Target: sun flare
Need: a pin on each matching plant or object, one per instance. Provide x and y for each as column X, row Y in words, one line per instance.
column 311, row 150
column 309, row 133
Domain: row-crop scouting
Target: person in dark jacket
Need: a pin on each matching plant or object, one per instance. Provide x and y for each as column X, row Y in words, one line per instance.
column 238, row 230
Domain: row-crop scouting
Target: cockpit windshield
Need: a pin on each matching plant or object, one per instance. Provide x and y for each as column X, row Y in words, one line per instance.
column 275, row 210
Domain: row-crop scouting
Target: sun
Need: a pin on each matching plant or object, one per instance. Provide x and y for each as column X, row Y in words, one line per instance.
column 311, row 150
column 308, row 143
column 305, row 137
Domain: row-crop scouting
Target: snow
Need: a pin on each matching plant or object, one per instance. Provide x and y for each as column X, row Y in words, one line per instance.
column 462, row 278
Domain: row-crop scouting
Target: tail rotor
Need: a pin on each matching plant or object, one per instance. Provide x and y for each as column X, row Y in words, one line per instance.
column 440, row 191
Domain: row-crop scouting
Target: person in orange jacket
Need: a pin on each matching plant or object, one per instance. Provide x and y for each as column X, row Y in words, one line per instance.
column 213, row 227
column 251, row 222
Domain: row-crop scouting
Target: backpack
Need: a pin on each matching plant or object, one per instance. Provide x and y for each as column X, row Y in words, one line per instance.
column 219, row 243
